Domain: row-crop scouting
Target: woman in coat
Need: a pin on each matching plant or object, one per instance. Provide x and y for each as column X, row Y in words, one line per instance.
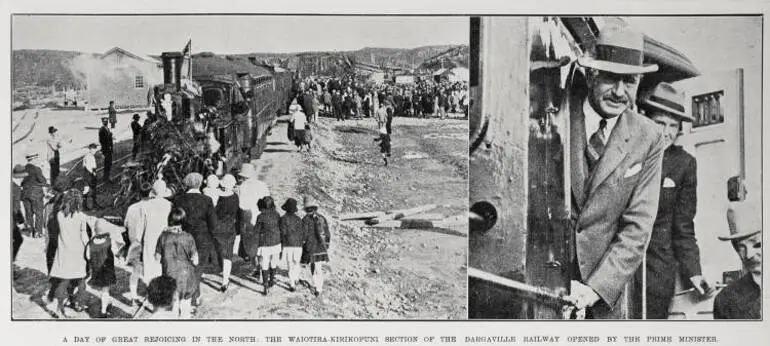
column 200, row 220
column 69, row 263
column 316, row 243
column 292, row 237
column 269, row 231
column 228, row 221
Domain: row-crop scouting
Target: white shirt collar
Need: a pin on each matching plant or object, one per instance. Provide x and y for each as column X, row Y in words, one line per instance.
column 592, row 119
column 193, row 191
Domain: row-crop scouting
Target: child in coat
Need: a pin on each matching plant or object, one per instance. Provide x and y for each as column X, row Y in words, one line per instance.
column 178, row 255
column 384, row 140
column 101, row 260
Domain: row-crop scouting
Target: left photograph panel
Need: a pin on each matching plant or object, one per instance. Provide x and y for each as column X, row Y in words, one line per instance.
column 239, row 167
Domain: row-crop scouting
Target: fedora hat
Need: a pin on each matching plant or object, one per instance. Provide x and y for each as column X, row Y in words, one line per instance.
column 52, row 129
column 742, row 222
column 669, row 99
column 620, row 51
column 247, row 171
column 308, row 202
column 19, row 172
column 290, row 205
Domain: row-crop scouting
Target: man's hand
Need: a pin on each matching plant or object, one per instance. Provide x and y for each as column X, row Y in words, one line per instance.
column 702, row 286
column 582, row 296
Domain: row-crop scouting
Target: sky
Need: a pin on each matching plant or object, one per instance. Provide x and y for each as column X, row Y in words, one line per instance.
column 711, row 43
column 233, row 34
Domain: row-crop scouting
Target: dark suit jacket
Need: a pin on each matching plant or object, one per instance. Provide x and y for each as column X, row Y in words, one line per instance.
column 105, row 139
column 741, row 300
column 673, row 243
column 614, row 207
column 34, row 181
column 18, row 216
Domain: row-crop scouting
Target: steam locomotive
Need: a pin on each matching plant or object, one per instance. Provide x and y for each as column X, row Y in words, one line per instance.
column 210, row 123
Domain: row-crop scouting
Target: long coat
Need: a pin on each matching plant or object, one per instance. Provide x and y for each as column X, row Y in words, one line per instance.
column 673, row 243
column 316, row 238
column 201, row 222
column 70, row 259
column 614, row 207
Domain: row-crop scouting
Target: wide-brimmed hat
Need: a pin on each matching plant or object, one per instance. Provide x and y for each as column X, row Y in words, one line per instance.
column 618, row 50
column 105, row 119
column 228, row 181
column 52, row 129
column 290, row 205
column 742, row 221
column 160, row 189
column 212, row 181
column 19, row 172
column 247, row 171
column 309, row 202
column 32, row 156
column 669, row 99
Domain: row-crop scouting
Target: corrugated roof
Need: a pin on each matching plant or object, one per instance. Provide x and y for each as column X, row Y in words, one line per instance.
column 212, row 65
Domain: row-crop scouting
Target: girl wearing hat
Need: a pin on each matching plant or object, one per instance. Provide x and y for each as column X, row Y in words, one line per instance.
column 316, row 242
column 179, row 257
column 228, row 221
column 291, row 240
column 102, row 263
column 269, row 231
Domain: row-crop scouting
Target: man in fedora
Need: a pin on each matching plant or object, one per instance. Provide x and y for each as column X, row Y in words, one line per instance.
column 742, row 299
column 17, row 220
column 106, row 142
column 136, row 129
column 672, row 244
column 615, row 175
column 32, row 195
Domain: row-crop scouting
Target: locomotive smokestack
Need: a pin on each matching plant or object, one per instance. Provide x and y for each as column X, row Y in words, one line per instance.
column 172, row 69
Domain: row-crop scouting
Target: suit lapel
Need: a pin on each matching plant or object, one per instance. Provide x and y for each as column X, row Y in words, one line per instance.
column 614, row 152
column 577, row 148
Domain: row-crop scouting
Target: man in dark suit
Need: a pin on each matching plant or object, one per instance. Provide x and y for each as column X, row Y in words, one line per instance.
column 615, row 176
column 17, row 219
column 136, row 129
column 742, row 299
column 32, row 195
column 672, row 245
column 106, row 141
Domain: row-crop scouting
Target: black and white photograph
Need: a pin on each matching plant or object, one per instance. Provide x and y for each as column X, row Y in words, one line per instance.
column 239, row 167
column 616, row 168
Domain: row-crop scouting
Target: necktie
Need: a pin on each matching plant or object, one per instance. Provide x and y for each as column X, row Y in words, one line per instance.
column 595, row 147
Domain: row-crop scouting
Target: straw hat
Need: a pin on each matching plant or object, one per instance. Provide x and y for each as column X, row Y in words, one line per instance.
column 247, row 171
column 308, row 202
column 742, row 221
column 228, row 181
column 669, row 99
column 620, row 51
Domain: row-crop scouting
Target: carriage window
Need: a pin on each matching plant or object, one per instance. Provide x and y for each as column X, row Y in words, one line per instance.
column 707, row 109
column 213, row 97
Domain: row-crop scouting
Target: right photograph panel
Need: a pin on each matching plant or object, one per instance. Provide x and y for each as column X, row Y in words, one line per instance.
column 615, row 168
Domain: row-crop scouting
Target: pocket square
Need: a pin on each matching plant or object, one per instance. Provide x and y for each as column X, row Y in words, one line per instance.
column 633, row 170
column 668, row 182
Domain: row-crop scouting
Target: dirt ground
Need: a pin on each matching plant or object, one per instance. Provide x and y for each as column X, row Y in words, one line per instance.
column 374, row 272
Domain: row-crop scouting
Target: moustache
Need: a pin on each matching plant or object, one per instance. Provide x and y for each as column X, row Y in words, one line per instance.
column 616, row 99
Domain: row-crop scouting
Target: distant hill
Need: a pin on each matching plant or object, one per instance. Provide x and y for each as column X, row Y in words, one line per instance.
column 44, row 68
column 41, row 67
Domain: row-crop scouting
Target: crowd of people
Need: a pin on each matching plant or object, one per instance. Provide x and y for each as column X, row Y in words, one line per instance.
column 345, row 98
column 172, row 241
